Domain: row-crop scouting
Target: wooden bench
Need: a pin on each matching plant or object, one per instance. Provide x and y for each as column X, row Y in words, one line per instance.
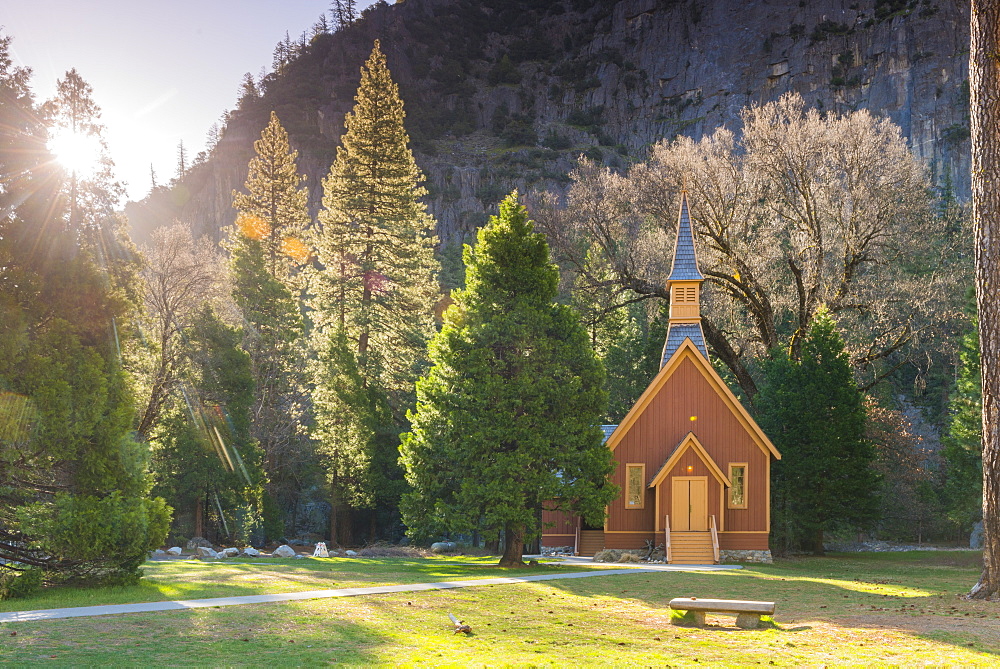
column 747, row 613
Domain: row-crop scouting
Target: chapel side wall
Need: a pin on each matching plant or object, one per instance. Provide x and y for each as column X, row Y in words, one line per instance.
column 660, row 428
column 557, row 526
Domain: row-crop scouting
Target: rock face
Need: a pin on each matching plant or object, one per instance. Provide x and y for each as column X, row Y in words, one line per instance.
column 508, row 93
column 284, row 551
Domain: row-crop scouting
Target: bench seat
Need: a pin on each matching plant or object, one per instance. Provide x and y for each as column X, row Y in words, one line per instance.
column 747, row 613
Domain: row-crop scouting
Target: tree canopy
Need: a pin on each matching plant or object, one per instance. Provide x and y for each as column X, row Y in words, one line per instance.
column 508, row 416
column 813, row 412
column 803, row 209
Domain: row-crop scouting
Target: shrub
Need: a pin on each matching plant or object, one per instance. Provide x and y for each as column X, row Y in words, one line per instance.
column 98, row 538
column 16, row 585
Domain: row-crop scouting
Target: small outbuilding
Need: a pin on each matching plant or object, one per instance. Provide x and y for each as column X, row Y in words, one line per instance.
column 694, row 468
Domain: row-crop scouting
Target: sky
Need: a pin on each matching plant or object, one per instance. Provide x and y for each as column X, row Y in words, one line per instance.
column 162, row 72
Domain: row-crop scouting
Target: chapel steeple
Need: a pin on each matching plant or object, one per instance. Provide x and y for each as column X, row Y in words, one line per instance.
column 684, row 284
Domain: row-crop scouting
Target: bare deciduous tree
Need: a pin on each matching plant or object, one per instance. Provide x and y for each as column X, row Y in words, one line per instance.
column 805, row 210
column 180, row 276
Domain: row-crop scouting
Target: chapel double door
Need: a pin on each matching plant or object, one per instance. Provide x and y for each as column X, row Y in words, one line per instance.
column 689, row 504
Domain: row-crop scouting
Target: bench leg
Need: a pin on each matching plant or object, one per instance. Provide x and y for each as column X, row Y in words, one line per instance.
column 748, row 621
column 697, row 616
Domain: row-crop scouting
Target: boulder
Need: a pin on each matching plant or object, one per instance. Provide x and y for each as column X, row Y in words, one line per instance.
column 229, row 552
column 205, row 552
column 976, row 539
column 284, row 551
column 159, row 552
column 442, row 546
column 320, row 550
column 198, row 542
column 351, row 553
column 174, row 550
column 250, row 551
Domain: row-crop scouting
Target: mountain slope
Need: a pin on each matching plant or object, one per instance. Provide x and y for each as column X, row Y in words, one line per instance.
column 507, row 93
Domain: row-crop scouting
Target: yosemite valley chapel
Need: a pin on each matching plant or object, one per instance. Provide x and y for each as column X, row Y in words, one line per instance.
column 694, row 468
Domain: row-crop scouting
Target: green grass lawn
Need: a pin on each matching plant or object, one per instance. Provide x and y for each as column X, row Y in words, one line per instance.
column 887, row 608
column 193, row 579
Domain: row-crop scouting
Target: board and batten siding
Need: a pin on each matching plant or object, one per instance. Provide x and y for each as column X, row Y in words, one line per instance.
column 563, row 524
column 655, row 434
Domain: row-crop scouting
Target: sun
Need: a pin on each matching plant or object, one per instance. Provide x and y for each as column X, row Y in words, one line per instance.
column 76, row 152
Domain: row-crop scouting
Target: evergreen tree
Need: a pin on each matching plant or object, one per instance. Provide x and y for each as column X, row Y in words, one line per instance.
column 507, row 417
column 963, row 443
column 205, row 460
column 74, row 499
column 814, row 413
column 274, row 203
column 265, row 247
column 375, row 295
column 76, row 133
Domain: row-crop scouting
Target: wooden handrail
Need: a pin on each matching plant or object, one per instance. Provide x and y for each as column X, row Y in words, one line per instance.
column 666, row 543
column 715, row 541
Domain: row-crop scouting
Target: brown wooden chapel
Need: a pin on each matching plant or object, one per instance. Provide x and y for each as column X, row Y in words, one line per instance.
column 693, row 466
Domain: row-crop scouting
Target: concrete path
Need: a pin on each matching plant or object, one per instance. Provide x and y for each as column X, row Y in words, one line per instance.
column 115, row 609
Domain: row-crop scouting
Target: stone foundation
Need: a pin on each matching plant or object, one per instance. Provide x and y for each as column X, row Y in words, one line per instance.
column 557, row 550
column 761, row 557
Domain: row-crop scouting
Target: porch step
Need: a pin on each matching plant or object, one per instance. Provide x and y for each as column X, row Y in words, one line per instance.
column 591, row 541
column 691, row 548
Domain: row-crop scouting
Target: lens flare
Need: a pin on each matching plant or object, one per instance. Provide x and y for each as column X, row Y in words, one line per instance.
column 253, row 227
column 294, row 248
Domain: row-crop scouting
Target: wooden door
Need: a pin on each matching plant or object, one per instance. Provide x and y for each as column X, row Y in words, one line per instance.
column 689, row 505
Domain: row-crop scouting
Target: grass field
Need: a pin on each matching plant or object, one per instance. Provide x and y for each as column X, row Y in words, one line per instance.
column 193, row 579
column 885, row 608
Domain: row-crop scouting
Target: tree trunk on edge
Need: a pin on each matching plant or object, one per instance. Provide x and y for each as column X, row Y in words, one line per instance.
column 513, row 550
column 984, row 80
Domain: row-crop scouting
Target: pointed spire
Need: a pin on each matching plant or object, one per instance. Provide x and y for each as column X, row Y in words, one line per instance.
column 684, row 284
column 685, row 266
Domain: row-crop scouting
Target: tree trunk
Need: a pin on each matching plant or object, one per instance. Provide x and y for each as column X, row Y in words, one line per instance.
column 514, row 549
column 334, row 510
column 817, row 547
column 199, row 515
column 984, row 80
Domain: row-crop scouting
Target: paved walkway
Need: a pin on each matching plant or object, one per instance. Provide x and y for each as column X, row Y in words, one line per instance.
column 115, row 609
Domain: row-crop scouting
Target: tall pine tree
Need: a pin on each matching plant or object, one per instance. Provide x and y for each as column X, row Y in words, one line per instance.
column 814, row 413
column 374, row 297
column 274, row 208
column 74, row 489
column 266, row 248
column 508, row 416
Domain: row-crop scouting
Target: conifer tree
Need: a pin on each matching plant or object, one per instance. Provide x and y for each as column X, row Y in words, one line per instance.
column 274, row 204
column 375, row 294
column 266, row 246
column 814, row 413
column 963, row 443
column 508, row 416
column 74, row 490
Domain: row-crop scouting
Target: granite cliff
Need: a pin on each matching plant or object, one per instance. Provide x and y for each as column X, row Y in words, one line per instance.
column 508, row 93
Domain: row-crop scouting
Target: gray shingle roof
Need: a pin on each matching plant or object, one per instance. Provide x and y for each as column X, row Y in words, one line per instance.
column 677, row 333
column 685, row 266
column 608, row 429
